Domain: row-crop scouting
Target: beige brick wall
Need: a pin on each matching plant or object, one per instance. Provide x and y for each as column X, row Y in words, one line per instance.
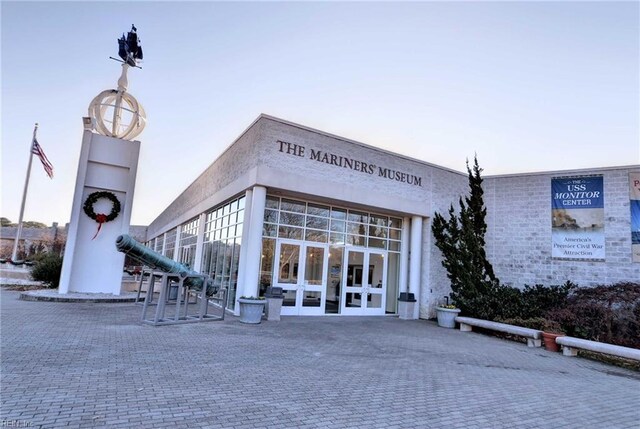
column 519, row 233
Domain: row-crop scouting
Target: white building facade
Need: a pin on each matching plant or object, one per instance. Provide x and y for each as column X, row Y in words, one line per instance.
column 344, row 227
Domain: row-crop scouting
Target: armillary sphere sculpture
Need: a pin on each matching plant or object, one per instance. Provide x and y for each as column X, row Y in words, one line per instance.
column 115, row 112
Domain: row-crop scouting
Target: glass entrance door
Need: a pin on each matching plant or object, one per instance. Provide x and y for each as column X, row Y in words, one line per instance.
column 301, row 273
column 365, row 274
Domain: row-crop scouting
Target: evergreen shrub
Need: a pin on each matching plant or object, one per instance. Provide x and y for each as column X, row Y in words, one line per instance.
column 47, row 269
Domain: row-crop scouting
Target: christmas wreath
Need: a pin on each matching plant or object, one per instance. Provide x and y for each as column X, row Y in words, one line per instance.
column 101, row 217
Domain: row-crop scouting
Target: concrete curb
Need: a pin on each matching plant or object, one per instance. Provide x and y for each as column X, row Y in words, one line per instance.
column 49, row 295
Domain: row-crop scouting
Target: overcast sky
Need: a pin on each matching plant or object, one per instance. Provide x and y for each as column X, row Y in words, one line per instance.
column 528, row 86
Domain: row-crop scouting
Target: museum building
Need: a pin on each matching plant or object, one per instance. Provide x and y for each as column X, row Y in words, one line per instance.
column 343, row 227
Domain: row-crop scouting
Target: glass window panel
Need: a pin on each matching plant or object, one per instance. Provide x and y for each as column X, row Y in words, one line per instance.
column 316, row 235
column 239, row 229
column 394, row 245
column 241, row 203
column 378, row 243
column 379, row 220
column 234, row 206
column 317, row 210
column 314, row 266
column 374, row 300
column 289, row 298
column 338, row 225
column 225, row 221
column 213, row 258
column 358, row 217
column 333, row 295
column 393, row 276
column 376, row 231
column 266, row 264
column 395, row 222
column 225, row 210
column 291, row 219
column 376, row 270
column 271, row 216
column 169, row 253
column 317, row 222
column 395, row 234
column 288, row 263
column 311, row 299
column 272, row 202
column 336, row 238
column 293, row 206
column 356, row 228
column 353, row 300
column 240, row 216
column 338, row 213
column 356, row 240
column 227, row 258
column 219, row 261
column 269, row 230
column 206, row 258
column 290, row 232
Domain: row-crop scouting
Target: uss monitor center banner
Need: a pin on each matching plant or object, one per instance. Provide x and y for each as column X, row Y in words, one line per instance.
column 634, row 197
column 577, row 212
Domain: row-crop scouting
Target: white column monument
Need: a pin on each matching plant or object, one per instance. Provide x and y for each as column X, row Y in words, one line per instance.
column 105, row 183
column 415, row 261
column 254, row 243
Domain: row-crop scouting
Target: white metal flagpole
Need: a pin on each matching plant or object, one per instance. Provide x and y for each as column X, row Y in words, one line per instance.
column 24, row 197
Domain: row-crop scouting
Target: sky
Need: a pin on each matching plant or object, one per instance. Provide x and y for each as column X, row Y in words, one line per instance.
column 527, row 86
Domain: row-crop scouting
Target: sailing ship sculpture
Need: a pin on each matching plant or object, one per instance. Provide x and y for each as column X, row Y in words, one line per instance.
column 115, row 112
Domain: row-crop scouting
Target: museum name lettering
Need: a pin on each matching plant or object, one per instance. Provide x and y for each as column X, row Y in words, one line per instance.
column 349, row 163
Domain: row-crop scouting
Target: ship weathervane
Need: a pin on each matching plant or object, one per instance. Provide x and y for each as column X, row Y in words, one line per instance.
column 129, row 48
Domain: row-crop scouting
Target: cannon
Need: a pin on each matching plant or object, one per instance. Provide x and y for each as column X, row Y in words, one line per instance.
column 130, row 247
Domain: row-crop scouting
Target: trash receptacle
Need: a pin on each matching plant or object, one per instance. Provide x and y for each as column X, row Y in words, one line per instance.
column 274, row 298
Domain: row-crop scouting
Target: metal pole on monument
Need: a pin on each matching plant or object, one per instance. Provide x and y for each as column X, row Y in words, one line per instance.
column 14, row 254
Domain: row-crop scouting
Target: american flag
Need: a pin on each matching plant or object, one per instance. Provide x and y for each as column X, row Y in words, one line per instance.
column 37, row 150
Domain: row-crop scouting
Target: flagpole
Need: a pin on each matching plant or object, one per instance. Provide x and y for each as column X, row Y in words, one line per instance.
column 24, row 197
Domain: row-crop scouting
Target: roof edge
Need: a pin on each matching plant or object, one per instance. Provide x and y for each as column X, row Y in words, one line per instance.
column 591, row 170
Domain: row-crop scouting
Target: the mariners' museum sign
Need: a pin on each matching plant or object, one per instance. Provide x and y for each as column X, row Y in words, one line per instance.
column 349, row 163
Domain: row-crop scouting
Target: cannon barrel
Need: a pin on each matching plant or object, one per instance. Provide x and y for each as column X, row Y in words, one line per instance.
column 130, row 247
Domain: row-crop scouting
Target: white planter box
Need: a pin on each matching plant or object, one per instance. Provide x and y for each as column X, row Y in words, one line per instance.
column 251, row 310
column 447, row 317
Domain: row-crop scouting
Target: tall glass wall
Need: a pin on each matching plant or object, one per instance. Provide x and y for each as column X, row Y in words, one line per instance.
column 170, row 244
column 222, row 243
column 188, row 242
column 159, row 241
column 339, row 227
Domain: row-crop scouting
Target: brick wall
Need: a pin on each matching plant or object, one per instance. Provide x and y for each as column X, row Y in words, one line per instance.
column 519, row 231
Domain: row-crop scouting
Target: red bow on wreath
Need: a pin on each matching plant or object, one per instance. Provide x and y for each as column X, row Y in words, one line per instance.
column 101, row 217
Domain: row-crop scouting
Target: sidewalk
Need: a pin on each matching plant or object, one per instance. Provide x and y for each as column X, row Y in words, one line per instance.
column 95, row 365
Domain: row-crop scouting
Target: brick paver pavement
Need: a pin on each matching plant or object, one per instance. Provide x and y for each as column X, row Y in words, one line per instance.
column 95, row 365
